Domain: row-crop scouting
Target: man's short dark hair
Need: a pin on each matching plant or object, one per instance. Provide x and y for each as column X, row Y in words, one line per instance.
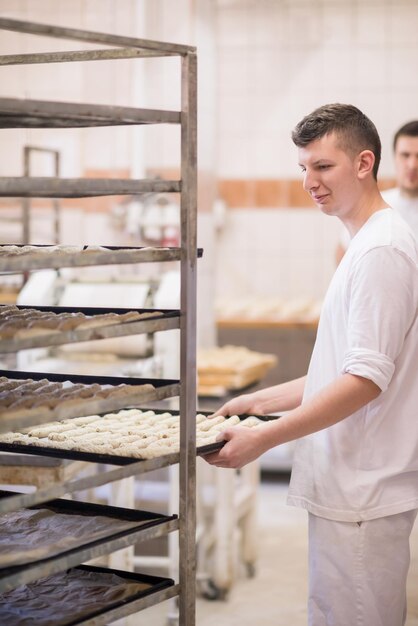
column 407, row 130
column 355, row 130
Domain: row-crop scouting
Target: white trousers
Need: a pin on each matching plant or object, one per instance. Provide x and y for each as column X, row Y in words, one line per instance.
column 358, row 571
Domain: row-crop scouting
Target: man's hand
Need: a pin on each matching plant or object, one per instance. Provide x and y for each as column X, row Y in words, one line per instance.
column 283, row 397
column 242, row 446
column 238, row 406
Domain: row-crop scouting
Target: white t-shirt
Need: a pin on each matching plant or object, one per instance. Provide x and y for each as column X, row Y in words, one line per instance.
column 366, row 466
column 407, row 207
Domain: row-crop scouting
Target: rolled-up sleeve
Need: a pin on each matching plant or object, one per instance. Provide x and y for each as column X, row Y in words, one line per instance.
column 382, row 307
column 369, row 364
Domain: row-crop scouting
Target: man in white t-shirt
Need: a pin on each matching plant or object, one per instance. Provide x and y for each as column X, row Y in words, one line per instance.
column 355, row 413
column 403, row 197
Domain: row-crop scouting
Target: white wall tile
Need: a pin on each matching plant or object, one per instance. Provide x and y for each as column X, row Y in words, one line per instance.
column 372, row 23
column 403, row 19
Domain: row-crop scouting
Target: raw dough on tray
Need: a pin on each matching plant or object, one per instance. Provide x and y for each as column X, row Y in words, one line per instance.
column 129, row 433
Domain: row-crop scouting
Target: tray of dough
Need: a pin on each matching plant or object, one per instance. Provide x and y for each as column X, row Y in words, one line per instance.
column 32, row 398
column 78, row 595
column 53, row 533
column 15, row 258
column 122, row 438
column 23, row 327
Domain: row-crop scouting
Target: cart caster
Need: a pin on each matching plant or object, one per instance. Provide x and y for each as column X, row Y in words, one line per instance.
column 250, row 569
column 211, row 591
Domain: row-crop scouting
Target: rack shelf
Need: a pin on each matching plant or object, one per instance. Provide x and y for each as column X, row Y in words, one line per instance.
column 100, row 596
column 154, row 321
column 125, row 528
column 46, row 187
column 16, row 502
column 18, row 113
column 138, row 391
column 47, row 257
column 34, row 28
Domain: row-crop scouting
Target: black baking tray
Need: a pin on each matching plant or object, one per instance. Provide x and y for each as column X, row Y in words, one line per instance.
column 199, row 251
column 112, row 459
column 87, row 310
column 156, row 583
column 145, row 519
column 88, row 380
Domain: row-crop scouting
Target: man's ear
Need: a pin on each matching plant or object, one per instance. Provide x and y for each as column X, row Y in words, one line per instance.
column 365, row 163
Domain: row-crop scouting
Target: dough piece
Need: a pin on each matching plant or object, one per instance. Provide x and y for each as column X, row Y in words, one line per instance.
column 251, row 421
column 234, row 420
column 205, row 441
column 210, row 423
column 152, row 453
column 12, row 437
column 89, row 419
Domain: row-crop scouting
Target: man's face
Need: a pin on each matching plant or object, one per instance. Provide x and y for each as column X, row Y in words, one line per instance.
column 329, row 175
column 406, row 163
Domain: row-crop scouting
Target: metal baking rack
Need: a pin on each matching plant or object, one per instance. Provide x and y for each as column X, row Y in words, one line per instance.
column 31, row 114
column 161, row 320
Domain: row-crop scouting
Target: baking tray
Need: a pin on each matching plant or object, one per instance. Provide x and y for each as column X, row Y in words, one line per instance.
column 83, row 257
column 160, row 588
column 12, row 420
column 112, row 459
column 165, row 319
column 134, row 526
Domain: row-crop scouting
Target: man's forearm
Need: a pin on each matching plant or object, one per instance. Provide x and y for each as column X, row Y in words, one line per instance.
column 334, row 403
column 283, row 397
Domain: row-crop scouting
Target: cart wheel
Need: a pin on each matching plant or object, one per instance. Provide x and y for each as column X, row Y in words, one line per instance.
column 250, row 567
column 211, row 591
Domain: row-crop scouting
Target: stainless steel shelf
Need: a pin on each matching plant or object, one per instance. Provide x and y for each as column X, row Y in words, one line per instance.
column 13, row 419
column 144, row 591
column 105, row 546
column 132, row 607
column 60, row 32
column 44, row 494
column 35, row 259
column 47, row 187
column 72, row 56
column 18, row 113
column 148, row 325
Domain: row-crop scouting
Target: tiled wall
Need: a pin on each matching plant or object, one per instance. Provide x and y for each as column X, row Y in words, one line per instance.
column 263, row 65
column 287, row 253
column 278, row 60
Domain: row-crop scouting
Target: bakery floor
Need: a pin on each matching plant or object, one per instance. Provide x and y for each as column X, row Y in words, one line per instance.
column 277, row 594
